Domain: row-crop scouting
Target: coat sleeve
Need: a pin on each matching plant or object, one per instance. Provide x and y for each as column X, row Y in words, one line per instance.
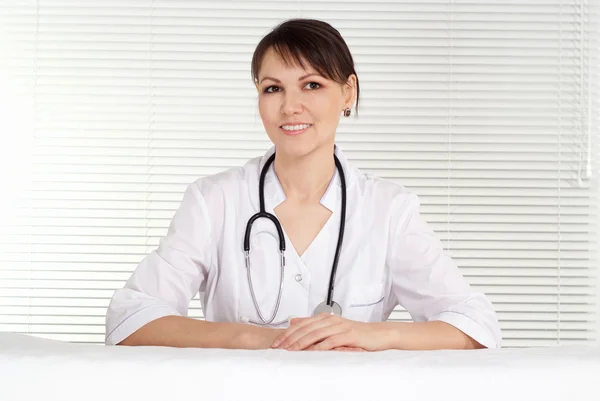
column 167, row 279
column 430, row 286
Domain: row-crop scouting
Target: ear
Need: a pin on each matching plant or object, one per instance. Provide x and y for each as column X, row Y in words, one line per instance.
column 349, row 91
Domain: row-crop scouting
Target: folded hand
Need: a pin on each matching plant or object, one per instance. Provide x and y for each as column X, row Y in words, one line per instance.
column 330, row 332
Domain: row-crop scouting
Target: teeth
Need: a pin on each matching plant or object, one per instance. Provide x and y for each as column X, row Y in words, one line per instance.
column 295, row 127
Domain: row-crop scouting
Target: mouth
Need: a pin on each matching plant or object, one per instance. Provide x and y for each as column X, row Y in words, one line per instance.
column 295, row 129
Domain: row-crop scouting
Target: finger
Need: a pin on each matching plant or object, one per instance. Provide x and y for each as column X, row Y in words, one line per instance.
column 316, row 335
column 282, row 337
column 303, row 320
column 300, row 331
column 334, row 341
column 297, row 320
column 296, row 324
column 343, row 348
column 354, row 349
column 348, row 349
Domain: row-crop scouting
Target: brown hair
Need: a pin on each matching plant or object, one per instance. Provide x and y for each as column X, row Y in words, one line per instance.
column 317, row 42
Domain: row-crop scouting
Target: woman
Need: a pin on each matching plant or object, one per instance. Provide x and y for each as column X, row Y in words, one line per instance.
column 305, row 78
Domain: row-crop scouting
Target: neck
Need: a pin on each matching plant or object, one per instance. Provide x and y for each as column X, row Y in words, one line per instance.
column 305, row 178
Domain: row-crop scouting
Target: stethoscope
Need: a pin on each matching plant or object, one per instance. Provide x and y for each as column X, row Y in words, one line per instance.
column 329, row 306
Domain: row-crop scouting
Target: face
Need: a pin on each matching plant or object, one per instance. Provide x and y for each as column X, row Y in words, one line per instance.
column 299, row 108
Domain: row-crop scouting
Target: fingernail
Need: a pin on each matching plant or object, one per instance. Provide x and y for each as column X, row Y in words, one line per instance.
column 275, row 344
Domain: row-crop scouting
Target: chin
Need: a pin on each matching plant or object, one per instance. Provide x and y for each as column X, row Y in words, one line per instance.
column 295, row 148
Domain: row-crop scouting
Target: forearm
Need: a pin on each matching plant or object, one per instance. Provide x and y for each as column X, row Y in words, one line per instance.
column 425, row 336
column 179, row 331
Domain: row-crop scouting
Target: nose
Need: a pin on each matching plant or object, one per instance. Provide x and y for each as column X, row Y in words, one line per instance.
column 292, row 103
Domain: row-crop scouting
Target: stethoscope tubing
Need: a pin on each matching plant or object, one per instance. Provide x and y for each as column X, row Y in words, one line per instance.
column 264, row 214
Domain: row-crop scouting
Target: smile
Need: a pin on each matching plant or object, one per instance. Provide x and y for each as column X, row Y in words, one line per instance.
column 295, row 129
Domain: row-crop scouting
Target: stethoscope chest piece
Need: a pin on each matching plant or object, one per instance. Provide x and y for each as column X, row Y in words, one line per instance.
column 334, row 309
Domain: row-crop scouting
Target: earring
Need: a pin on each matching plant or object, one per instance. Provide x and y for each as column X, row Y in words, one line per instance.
column 347, row 112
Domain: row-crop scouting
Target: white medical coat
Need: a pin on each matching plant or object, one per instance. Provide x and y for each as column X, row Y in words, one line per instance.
column 389, row 257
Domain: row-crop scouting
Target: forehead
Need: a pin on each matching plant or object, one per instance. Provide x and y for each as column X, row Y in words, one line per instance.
column 273, row 64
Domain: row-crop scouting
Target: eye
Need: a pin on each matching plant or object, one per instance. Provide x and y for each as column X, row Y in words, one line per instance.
column 313, row 85
column 271, row 89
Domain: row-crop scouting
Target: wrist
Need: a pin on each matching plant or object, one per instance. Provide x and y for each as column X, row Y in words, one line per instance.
column 237, row 336
column 254, row 337
column 389, row 336
column 244, row 337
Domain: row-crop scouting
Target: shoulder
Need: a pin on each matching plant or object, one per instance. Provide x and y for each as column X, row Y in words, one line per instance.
column 382, row 192
column 385, row 201
column 227, row 183
column 209, row 198
column 390, row 204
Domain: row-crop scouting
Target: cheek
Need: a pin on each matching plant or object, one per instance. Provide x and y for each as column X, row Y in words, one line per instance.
column 264, row 109
column 269, row 107
column 327, row 108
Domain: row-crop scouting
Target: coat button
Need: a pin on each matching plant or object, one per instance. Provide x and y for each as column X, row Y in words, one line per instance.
column 298, row 277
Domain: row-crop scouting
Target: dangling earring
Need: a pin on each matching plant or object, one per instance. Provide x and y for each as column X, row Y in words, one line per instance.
column 347, row 112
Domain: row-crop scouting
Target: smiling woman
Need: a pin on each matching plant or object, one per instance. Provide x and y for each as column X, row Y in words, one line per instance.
column 356, row 233
column 305, row 77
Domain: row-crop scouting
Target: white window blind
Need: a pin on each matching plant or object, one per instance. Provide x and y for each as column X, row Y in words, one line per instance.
column 488, row 111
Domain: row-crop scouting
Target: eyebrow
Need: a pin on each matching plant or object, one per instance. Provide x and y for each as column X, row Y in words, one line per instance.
column 299, row 79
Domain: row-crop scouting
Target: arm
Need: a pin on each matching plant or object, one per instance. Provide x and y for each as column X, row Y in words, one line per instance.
column 326, row 332
column 178, row 331
column 152, row 307
column 425, row 336
column 426, row 281
column 447, row 314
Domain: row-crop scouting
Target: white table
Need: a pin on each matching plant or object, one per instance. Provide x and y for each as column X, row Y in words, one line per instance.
column 36, row 369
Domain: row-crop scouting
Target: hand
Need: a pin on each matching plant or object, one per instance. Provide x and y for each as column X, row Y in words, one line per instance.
column 329, row 332
column 262, row 337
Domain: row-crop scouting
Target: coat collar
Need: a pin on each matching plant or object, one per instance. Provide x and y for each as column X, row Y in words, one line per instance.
column 331, row 199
